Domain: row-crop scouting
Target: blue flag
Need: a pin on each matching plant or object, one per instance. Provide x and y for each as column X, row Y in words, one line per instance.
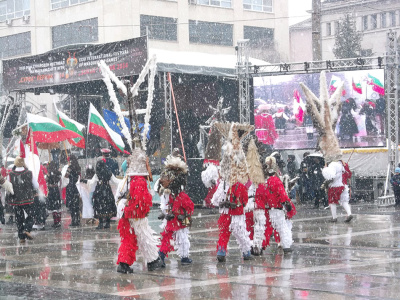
column 112, row 120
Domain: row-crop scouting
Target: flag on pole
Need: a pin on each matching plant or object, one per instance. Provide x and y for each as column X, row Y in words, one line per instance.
column 45, row 130
column 72, row 125
column 377, row 86
column 334, row 84
column 356, row 86
column 112, row 120
column 97, row 126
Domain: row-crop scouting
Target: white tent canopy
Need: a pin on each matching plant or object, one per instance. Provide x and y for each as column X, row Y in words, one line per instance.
column 198, row 63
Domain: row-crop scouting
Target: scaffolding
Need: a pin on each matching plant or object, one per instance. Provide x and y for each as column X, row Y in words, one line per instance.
column 392, row 97
column 242, row 72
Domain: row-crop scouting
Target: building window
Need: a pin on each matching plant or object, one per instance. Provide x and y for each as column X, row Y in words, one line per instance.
column 12, row 9
column 336, row 27
column 17, row 44
column 210, row 33
column 383, row 20
column 160, row 28
column 258, row 5
column 55, row 4
column 85, row 31
column 392, row 19
column 259, row 36
column 328, row 29
column 220, row 3
column 374, row 22
column 365, row 23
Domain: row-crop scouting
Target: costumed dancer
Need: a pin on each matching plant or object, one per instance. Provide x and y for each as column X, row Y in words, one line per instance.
column 24, row 186
column 179, row 211
column 54, row 198
column 336, row 175
column 325, row 113
column 255, row 216
column 86, row 192
column 210, row 176
column 103, row 197
column 133, row 206
column 72, row 176
column 231, row 196
column 273, row 197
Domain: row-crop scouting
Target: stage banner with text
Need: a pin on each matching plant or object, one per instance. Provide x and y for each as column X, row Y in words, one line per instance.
column 77, row 63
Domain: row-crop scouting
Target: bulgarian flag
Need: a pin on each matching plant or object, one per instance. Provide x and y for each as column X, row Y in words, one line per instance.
column 377, row 85
column 335, row 81
column 45, row 130
column 97, row 126
column 356, row 86
column 72, row 125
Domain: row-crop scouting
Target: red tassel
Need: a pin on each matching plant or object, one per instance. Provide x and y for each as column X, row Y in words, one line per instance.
column 127, row 249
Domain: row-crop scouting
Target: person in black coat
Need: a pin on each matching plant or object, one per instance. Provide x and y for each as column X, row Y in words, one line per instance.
column 103, row 198
column 111, row 163
column 347, row 125
column 72, row 193
column 53, row 198
column 395, row 181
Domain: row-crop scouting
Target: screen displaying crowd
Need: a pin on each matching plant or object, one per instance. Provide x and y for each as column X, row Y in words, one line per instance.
column 281, row 117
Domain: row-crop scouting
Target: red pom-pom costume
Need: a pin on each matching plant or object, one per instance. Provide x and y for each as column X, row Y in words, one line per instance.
column 272, row 195
column 175, row 229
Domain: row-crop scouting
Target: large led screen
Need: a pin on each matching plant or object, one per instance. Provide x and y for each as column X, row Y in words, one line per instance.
column 281, row 117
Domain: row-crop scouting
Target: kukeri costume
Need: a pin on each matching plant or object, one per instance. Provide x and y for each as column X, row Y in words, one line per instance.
column 133, row 206
column 232, row 196
column 179, row 210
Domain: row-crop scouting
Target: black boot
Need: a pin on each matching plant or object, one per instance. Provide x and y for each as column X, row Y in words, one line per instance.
column 124, row 268
column 107, row 225
column 10, row 220
column 155, row 264
column 100, row 226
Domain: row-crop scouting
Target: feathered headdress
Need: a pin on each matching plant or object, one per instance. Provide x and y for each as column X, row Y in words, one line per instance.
column 256, row 174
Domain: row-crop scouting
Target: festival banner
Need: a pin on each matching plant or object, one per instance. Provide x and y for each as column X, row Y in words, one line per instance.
column 75, row 63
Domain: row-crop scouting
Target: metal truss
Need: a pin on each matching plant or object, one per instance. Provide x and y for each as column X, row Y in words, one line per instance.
column 392, row 77
column 349, row 64
column 168, row 105
column 242, row 72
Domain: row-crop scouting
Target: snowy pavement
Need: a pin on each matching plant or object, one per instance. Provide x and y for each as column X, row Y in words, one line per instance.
column 329, row 261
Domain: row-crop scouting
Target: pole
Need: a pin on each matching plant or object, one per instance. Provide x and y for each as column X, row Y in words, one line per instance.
column 177, row 117
column 316, row 30
column 66, row 153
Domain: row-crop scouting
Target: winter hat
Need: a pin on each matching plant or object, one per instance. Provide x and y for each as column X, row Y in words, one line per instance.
column 19, row 162
column 397, row 170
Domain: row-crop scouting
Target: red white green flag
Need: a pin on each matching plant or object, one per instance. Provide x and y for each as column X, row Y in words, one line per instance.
column 377, row 86
column 356, row 86
column 97, row 126
column 74, row 126
column 45, row 130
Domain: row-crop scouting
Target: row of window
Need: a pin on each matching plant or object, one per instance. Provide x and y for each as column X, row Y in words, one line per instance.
column 369, row 22
column 12, row 9
column 200, row 32
column 157, row 28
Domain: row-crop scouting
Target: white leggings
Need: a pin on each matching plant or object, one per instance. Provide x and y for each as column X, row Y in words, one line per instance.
column 146, row 241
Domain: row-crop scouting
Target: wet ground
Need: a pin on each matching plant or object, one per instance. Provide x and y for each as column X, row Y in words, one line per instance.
column 360, row 260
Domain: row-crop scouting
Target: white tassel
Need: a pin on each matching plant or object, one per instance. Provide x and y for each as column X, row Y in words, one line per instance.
column 8, row 187
column 259, row 227
column 278, row 221
column 210, row 175
column 147, row 243
column 238, row 229
column 181, row 242
column 105, row 70
column 344, row 197
column 251, row 194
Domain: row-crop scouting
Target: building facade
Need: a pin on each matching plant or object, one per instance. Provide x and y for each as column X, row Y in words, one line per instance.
column 32, row 27
column 301, row 41
column 374, row 18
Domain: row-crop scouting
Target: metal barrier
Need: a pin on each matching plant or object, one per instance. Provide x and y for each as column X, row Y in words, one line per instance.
column 385, row 200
